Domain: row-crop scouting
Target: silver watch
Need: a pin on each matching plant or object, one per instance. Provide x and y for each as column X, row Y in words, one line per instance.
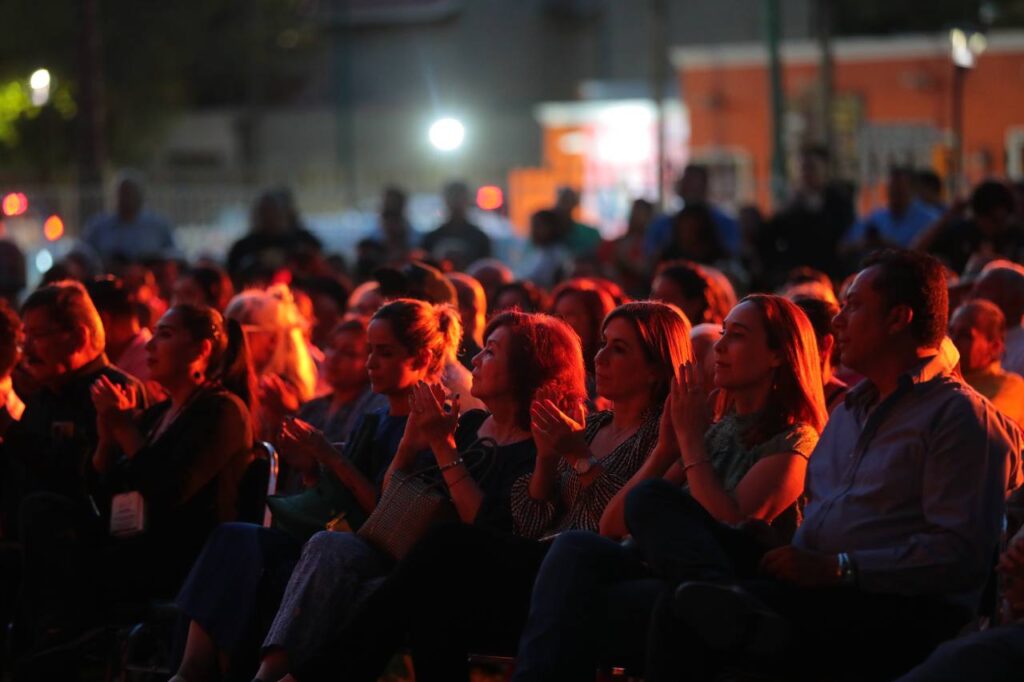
column 584, row 464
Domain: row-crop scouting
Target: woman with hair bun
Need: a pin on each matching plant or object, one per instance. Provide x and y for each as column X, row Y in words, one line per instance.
column 524, row 355
column 230, row 610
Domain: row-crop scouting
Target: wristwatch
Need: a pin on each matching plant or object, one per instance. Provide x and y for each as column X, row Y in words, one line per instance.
column 584, row 464
column 847, row 571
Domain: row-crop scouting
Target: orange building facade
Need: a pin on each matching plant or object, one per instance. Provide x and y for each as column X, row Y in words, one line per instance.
column 893, row 104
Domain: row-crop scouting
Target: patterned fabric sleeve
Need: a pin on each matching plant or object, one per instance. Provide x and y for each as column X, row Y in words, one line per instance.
column 533, row 518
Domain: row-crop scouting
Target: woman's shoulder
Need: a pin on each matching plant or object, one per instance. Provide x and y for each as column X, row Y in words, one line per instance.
column 219, row 401
column 800, row 437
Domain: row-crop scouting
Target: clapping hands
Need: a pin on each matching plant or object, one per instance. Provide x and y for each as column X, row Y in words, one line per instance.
column 433, row 415
column 688, row 407
column 556, row 433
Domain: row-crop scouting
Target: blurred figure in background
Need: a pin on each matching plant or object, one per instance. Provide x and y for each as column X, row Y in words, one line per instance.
column 1002, row 283
column 131, row 232
column 623, row 259
column 395, row 232
column 899, row 223
column 205, row 284
column 692, row 187
column 520, row 295
column 274, row 238
column 978, row 329
column 547, row 259
column 473, row 311
column 692, row 289
column 492, row 275
column 581, row 239
column 457, row 240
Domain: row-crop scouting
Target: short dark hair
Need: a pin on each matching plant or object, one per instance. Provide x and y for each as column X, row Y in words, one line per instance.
column 109, row 295
column 917, row 281
column 990, row 195
column 11, row 338
column 929, row 179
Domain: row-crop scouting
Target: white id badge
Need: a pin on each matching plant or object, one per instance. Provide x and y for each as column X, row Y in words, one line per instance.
column 127, row 515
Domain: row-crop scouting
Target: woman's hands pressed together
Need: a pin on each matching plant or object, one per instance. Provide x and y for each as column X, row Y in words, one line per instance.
column 689, row 411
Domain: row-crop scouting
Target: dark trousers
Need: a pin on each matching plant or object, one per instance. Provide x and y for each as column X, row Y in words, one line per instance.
column 836, row 630
column 995, row 655
column 462, row 589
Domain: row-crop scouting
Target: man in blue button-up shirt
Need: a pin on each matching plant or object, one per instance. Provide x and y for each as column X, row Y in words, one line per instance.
column 905, row 491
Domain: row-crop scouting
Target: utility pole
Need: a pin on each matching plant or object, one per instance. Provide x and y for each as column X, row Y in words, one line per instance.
column 826, row 91
column 91, row 138
column 773, row 36
column 658, row 45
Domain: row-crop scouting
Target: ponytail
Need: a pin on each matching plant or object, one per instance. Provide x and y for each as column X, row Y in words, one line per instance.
column 449, row 325
column 229, row 361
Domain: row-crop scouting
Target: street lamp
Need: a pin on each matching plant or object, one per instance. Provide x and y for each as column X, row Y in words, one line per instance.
column 965, row 46
column 39, row 83
column 446, row 134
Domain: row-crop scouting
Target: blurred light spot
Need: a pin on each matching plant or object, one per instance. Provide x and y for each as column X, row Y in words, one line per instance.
column 15, row 203
column 53, row 228
column 489, row 198
column 447, row 134
column 44, row 261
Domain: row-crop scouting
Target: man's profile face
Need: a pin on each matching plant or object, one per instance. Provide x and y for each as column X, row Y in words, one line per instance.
column 48, row 346
column 860, row 326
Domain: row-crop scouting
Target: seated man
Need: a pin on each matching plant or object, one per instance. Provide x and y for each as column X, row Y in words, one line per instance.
column 45, row 455
column 905, row 499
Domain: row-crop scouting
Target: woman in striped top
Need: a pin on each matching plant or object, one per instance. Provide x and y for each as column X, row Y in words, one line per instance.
column 466, row 588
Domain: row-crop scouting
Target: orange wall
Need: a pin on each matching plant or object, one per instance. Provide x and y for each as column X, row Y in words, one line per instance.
column 730, row 106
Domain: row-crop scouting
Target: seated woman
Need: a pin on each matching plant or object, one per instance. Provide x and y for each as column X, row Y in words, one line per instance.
column 523, row 354
column 237, row 583
column 749, row 464
column 285, row 370
column 185, row 456
column 579, row 468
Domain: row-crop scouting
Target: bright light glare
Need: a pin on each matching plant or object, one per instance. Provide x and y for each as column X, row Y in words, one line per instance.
column 40, row 79
column 39, row 82
column 965, row 47
column 447, row 134
column 44, row 261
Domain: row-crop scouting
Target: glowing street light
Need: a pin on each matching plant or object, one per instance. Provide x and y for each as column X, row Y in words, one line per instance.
column 965, row 46
column 447, row 134
column 39, row 82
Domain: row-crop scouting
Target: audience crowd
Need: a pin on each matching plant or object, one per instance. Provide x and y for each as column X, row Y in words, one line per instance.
column 784, row 445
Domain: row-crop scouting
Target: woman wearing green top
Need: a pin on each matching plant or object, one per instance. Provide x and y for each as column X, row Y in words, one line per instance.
column 741, row 459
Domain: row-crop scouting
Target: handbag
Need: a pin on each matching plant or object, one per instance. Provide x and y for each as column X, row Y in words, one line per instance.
column 328, row 505
column 414, row 502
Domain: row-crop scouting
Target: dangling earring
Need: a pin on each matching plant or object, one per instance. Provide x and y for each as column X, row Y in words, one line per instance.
column 197, row 375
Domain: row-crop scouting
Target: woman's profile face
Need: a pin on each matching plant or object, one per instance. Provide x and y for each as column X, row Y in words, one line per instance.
column 172, row 350
column 492, row 374
column 390, row 366
column 742, row 355
column 620, row 366
column 262, row 344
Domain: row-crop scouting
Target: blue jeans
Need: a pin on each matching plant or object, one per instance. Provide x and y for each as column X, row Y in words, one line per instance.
column 590, row 604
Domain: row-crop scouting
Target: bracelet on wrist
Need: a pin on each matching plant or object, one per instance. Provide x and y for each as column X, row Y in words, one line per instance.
column 687, row 467
column 450, row 465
